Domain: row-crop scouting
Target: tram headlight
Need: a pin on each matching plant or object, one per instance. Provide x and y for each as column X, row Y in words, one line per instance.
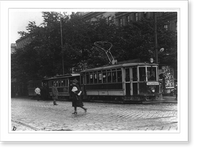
column 152, row 89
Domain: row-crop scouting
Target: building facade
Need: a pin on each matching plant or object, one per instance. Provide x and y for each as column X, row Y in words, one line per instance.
column 23, row 41
column 124, row 18
column 13, row 48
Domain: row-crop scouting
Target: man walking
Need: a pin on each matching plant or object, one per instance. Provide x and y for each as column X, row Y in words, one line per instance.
column 54, row 94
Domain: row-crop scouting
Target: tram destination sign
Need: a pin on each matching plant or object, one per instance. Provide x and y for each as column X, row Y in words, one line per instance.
column 152, row 83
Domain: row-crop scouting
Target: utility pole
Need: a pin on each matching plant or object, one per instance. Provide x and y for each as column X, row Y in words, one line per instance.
column 61, row 36
column 156, row 39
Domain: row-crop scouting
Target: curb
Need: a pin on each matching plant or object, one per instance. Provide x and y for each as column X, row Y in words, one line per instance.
column 168, row 101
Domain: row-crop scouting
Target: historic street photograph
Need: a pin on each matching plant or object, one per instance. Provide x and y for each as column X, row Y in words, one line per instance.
column 94, row 70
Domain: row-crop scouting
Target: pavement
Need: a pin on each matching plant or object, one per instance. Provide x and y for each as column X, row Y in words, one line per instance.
column 33, row 115
column 169, row 99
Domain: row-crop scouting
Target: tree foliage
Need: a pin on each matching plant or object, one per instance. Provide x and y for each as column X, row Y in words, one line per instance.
column 43, row 55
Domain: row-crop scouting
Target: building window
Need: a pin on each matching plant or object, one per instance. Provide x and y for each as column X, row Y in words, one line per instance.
column 128, row 19
column 109, row 19
column 120, row 22
column 166, row 27
column 145, row 14
column 136, row 16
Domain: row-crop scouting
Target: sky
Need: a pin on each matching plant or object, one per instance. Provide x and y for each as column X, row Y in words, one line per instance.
column 19, row 19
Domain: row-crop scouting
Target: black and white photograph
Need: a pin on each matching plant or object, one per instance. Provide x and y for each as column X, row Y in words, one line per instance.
column 96, row 70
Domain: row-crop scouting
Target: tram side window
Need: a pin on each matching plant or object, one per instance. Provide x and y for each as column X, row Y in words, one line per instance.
column 119, row 75
column 109, row 75
column 151, row 73
column 83, row 78
column 104, row 76
column 57, row 83
column 95, row 77
column 62, row 83
column 50, row 83
column 127, row 77
column 135, row 74
column 91, row 77
column 142, row 73
column 99, row 77
column 87, row 78
column 114, row 76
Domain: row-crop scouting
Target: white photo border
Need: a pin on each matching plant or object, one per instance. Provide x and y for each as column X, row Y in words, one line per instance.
column 183, row 104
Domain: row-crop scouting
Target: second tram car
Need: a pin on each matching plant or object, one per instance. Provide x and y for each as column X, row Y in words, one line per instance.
column 120, row 83
column 125, row 82
column 62, row 84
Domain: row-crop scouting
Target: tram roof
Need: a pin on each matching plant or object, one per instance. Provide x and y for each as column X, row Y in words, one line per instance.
column 119, row 66
column 63, row 76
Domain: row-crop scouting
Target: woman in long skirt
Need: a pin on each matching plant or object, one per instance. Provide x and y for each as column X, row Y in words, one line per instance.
column 76, row 97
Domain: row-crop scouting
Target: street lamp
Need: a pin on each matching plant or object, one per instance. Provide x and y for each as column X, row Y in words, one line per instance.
column 62, row 51
column 156, row 39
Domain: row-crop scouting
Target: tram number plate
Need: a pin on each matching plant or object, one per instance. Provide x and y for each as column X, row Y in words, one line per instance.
column 152, row 83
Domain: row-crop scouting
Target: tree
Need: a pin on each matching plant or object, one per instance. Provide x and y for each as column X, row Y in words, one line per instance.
column 43, row 56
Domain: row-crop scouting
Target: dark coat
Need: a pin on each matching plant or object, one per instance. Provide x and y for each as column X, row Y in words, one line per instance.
column 54, row 92
column 76, row 99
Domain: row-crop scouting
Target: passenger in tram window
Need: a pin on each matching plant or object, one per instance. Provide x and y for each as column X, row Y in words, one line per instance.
column 109, row 76
column 100, row 77
column 119, row 76
column 104, row 76
column 95, row 78
column 114, row 76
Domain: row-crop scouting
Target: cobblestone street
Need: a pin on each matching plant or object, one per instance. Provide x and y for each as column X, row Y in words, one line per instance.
column 32, row 115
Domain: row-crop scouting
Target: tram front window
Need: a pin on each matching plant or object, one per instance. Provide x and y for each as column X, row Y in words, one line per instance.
column 142, row 74
column 151, row 73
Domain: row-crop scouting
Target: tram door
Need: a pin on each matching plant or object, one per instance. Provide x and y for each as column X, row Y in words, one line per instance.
column 127, row 82
column 131, row 81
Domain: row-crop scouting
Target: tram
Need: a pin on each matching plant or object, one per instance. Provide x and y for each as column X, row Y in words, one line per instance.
column 62, row 84
column 129, row 81
column 124, row 82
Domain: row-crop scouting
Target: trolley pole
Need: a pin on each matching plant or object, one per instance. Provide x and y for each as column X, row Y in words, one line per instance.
column 61, row 36
column 156, row 39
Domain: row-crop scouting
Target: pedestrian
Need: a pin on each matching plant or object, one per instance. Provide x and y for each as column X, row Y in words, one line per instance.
column 176, row 89
column 76, row 97
column 54, row 94
column 37, row 92
column 42, row 92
